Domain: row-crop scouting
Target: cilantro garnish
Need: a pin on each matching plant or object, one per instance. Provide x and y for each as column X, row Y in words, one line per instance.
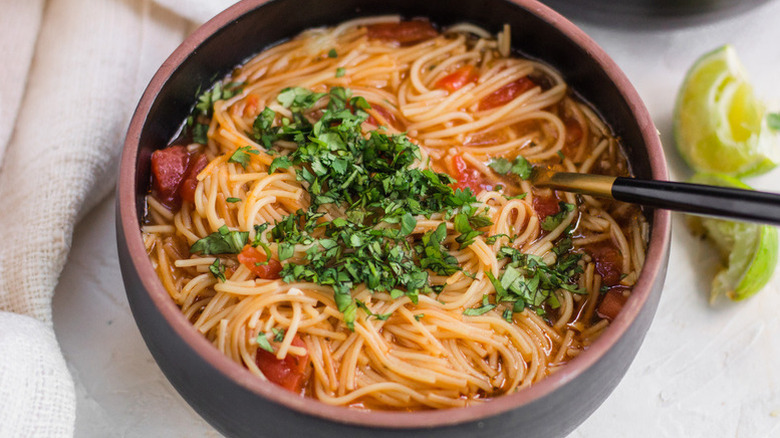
column 200, row 133
column 298, row 98
column 262, row 342
column 332, row 53
column 371, row 179
column 241, row 155
column 278, row 334
column 486, row 307
column 232, row 200
column 282, row 162
column 368, row 311
column 520, row 166
column 223, row 241
column 217, row 270
column 341, row 71
column 529, row 282
column 552, row 221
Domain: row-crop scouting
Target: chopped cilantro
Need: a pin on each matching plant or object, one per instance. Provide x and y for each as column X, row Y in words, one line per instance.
column 529, row 282
column 368, row 311
column 217, row 270
column 219, row 91
column 298, row 98
column 552, row 221
column 371, row 179
column 278, row 334
column 332, row 53
column 281, row 162
column 520, row 166
column 200, row 133
column 223, row 241
column 262, row 342
column 232, row 200
column 486, row 307
column 241, row 155
column 341, row 71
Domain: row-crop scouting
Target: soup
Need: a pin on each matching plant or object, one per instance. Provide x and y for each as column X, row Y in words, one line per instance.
column 348, row 216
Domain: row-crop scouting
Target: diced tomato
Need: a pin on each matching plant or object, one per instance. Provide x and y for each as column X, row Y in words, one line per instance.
column 573, row 137
column 290, row 372
column 467, row 176
column 545, row 206
column 507, row 93
column 169, row 166
column 190, row 181
column 608, row 261
column 251, row 256
column 612, row 303
column 404, row 32
column 458, row 79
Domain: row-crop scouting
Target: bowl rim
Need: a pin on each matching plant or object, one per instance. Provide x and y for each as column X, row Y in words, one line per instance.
column 652, row 271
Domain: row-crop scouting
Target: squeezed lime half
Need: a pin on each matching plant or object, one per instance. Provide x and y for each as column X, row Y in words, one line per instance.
column 749, row 251
column 719, row 124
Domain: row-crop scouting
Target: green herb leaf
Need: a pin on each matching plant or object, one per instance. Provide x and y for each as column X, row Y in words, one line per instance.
column 408, row 222
column 500, row 165
column 332, row 53
column 200, row 133
column 282, row 162
column 223, row 241
column 552, row 221
column 341, row 71
column 486, row 307
column 298, row 98
column 217, row 270
column 232, row 200
column 520, row 166
column 278, row 334
column 241, row 155
column 262, row 342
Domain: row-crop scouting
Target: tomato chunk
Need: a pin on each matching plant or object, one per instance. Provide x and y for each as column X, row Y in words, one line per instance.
column 467, row 176
column 251, row 256
column 458, row 79
column 546, row 205
column 404, row 32
column 608, row 262
column 612, row 303
column 169, row 166
column 190, row 181
column 290, row 372
column 507, row 93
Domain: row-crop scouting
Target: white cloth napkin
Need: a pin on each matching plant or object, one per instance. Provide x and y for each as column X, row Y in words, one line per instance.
column 73, row 71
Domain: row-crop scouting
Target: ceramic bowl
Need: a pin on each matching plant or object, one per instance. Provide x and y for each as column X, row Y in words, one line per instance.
column 239, row 404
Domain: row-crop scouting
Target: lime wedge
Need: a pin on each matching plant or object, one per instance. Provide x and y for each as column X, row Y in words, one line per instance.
column 719, row 124
column 748, row 250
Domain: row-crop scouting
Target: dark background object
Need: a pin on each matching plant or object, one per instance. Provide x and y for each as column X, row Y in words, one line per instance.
column 238, row 403
column 651, row 14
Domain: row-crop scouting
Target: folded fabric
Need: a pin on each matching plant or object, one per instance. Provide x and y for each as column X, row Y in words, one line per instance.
column 73, row 73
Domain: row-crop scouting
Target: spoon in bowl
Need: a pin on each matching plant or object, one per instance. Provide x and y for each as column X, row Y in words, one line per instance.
column 697, row 199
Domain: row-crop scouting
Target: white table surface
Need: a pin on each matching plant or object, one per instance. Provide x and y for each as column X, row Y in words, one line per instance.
column 703, row 371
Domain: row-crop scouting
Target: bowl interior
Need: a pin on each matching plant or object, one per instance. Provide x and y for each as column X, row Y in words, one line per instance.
column 252, row 25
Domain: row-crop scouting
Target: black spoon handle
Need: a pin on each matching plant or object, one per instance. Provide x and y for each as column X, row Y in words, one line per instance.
column 724, row 202
column 698, row 199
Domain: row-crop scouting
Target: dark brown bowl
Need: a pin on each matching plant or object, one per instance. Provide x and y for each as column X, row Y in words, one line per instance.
column 238, row 403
